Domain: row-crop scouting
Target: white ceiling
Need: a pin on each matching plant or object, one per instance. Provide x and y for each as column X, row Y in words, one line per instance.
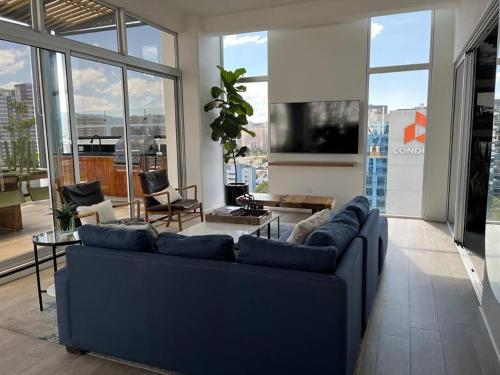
column 212, row 7
column 215, row 7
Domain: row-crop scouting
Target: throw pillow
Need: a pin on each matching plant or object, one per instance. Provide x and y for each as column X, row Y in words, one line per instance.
column 337, row 233
column 305, row 227
column 216, row 247
column 347, row 217
column 118, row 237
column 146, row 227
column 104, row 209
column 270, row 253
column 360, row 208
column 174, row 196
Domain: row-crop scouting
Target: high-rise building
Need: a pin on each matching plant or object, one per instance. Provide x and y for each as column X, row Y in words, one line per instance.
column 395, row 157
column 246, row 174
column 376, row 162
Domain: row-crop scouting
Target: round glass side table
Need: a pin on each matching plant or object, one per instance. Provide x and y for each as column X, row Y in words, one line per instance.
column 51, row 239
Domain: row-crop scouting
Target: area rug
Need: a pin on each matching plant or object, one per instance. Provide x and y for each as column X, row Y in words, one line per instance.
column 26, row 318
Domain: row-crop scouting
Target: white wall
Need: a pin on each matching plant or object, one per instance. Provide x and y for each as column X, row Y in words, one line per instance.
column 319, row 63
column 467, row 16
column 312, row 13
column 198, row 57
column 439, row 118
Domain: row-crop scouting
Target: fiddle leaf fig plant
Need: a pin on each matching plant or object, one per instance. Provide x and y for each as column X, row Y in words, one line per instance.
column 233, row 111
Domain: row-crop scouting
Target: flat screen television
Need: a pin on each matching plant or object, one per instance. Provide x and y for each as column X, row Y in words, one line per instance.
column 315, row 127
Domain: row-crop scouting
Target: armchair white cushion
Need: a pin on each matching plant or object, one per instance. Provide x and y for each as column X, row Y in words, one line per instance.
column 104, row 209
column 174, row 196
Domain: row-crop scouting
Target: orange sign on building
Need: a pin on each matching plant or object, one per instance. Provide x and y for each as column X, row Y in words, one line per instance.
column 416, row 130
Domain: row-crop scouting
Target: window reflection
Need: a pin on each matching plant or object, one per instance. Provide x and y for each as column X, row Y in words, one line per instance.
column 18, row 11
column 87, row 22
column 147, row 42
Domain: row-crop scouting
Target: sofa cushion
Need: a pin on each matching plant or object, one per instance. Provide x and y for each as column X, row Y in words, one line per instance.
column 361, row 207
column 217, row 247
column 338, row 233
column 305, row 227
column 138, row 238
column 347, row 217
column 278, row 254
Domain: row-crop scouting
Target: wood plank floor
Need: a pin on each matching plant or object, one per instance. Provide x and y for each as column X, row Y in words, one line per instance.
column 21, row 354
column 426, row 318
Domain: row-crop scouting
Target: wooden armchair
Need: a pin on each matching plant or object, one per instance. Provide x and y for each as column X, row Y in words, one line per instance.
column 153, row 186
column 88, row 194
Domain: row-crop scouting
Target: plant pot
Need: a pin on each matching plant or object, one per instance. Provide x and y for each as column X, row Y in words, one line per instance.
column 66, row 226
column 233, row 191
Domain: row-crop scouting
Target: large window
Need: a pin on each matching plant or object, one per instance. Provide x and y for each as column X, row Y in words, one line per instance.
column 250, row 52
column 79, row 109
column 397, row 111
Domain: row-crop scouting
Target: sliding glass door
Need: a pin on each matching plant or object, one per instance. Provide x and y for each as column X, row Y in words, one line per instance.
column 455, row 142
column 100, row 125
column 152, row 135
column 24, row 196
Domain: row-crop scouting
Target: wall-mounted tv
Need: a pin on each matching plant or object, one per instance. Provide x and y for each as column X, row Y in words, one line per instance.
column 315, row 127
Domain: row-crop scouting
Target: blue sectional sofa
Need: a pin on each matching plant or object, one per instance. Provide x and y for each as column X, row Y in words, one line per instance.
column 190, row 305
column 372, row 230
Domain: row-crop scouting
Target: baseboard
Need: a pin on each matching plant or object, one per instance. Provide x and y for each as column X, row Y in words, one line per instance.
column 490, row 334
column 477, row 284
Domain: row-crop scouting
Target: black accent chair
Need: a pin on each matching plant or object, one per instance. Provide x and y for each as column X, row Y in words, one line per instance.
column 88, row 194
column 153, row 184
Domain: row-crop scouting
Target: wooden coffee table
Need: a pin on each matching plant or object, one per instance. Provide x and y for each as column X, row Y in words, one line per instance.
column 233, row 230
column 310, row 202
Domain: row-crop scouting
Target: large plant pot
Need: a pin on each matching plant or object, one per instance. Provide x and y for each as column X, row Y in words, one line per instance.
column 233, row 191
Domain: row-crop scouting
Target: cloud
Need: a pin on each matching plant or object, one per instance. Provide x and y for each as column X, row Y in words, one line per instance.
column 238, row 40
column 140, row 87
column 116, row 89
column 12, row 60
column 88, row 77
column 150, row 52
column 9, row 85
column 95, row 104
column 376, row 29
column 257, row 96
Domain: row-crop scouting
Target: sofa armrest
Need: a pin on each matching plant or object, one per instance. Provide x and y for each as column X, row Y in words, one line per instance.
column 349, row 271
column 369, row 234
column 63, row 308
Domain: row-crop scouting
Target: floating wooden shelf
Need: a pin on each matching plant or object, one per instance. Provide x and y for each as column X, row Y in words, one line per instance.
column 346, row 164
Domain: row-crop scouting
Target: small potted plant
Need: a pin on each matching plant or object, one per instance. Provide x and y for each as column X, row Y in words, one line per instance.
column 229, row 125
column 65, row 217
